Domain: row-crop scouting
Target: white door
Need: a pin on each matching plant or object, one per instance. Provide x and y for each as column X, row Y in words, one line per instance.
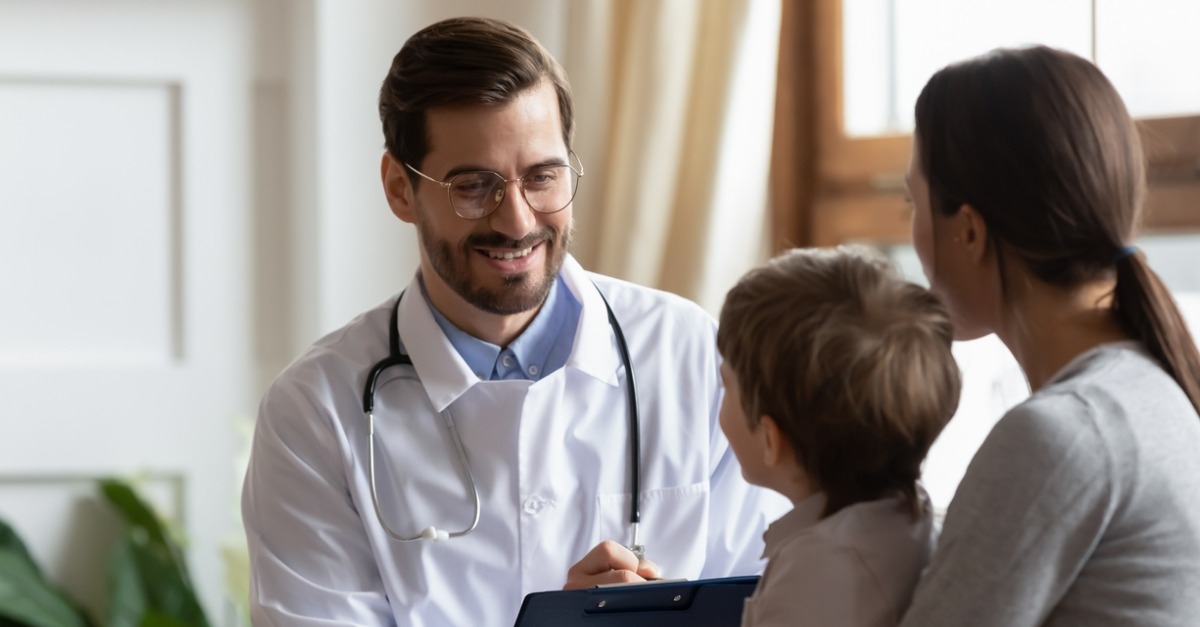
column 124, row 284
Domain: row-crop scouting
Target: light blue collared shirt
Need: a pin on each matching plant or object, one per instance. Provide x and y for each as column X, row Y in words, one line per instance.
column 541, row 349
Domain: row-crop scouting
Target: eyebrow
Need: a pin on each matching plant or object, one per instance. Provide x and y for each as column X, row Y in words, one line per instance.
column 456, row 170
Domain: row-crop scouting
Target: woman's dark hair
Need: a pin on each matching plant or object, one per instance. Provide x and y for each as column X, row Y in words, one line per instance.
column 462, row 61
column 1038, row 141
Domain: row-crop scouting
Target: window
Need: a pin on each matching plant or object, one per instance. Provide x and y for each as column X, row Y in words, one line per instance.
column 849, row 75
column 852, row 70
column 891, row 48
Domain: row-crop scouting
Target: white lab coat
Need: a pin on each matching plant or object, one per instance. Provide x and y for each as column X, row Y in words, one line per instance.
column 550, row 458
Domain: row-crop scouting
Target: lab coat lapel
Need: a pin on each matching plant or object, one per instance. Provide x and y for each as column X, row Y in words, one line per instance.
column 594, row 351
column 443, row 373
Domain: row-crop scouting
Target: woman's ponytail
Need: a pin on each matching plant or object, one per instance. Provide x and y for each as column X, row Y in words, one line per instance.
column 1143, row 304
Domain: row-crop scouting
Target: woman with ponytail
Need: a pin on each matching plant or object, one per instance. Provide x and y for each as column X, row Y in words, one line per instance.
column 1082, row 507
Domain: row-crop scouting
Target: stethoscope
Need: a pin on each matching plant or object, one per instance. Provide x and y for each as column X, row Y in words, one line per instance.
column 397, row 358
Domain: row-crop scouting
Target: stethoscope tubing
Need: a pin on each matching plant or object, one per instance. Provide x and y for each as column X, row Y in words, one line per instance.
column 462, row 456
column 635, row 471
column 397, row 358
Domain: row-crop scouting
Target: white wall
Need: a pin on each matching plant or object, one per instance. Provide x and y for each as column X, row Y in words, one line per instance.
column 124, row 207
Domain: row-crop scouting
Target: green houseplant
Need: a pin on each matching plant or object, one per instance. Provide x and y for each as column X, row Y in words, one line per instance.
column 148, row 580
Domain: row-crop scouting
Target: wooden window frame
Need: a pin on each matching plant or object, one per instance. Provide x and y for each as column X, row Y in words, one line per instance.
column 829, row 188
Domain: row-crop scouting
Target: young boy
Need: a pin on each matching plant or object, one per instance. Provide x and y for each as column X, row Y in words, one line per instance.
column 838, row 377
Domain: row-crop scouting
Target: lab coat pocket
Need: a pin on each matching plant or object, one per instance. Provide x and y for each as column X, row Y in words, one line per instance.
column 674, row 526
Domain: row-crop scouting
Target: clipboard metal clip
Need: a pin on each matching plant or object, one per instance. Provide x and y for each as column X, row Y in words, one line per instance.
column 649, row 597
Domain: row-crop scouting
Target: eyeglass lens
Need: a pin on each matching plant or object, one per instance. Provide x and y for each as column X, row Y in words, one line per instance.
column 547, row 189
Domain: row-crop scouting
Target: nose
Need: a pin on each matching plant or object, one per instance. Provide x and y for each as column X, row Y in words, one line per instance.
column 513, row 217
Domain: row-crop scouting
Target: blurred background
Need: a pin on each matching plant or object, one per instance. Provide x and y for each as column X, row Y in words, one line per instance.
column 189, row 196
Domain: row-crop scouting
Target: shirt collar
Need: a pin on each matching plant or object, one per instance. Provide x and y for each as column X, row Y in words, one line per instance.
column 545, row 344
column 445, row 375
column 529, row 356
column 805, row 514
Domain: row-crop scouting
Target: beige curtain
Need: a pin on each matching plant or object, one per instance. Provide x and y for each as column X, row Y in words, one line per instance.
column 675, row 120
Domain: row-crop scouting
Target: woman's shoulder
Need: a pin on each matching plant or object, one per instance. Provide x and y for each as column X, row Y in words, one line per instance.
column 1053, row 438
column 1109, row 408
column 1113, row 392
column 1115, row 370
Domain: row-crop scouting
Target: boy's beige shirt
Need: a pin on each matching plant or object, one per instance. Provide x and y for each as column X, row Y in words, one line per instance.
column 857, row 568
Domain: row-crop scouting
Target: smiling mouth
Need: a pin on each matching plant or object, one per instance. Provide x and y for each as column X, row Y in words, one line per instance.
column 507, row 255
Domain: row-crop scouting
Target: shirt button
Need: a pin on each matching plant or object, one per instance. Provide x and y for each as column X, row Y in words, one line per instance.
column 506, row 361
column 533, row 370
column 535, row 505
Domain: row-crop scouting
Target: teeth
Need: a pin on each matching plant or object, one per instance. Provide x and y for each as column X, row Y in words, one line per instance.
column 510, row 255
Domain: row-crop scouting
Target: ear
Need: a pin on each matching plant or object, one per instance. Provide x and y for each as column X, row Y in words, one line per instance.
column 971, row 232
column 775, row 447
column 398, row 188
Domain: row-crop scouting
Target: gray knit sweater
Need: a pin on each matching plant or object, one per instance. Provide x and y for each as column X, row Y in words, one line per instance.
column 1082, row 507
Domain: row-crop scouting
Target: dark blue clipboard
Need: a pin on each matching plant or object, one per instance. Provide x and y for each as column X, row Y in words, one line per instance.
column 708, row 602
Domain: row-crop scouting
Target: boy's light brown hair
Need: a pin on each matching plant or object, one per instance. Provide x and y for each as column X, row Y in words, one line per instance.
column 850, row 360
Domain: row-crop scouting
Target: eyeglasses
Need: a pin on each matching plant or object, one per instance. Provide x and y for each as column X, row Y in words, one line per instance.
column 476, row 194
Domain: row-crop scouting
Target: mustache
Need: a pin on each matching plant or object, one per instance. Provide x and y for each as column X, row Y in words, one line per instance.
column 499, row 240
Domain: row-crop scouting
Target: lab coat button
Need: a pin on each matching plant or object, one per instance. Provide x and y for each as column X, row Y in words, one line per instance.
column 535, row 504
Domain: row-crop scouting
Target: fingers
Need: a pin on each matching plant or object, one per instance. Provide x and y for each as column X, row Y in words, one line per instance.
column 609, row 562
column 649, row 570
column 606, row 556
column 601, row 579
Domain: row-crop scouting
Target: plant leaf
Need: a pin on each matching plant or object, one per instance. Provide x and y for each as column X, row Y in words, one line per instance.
column 156, row 619
column 146, row 582
column 133, row 509
column 29, row 599
column 10, row 542
column 149, row 576
column 127, row 600
column 141, row 516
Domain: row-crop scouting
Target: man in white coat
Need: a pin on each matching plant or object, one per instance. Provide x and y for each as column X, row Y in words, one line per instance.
column 499, row 450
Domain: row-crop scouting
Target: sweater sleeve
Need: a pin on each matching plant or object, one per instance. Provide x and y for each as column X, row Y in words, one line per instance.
column 1030, row 510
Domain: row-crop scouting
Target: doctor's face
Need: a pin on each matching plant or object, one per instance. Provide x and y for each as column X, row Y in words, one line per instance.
column 505, row 262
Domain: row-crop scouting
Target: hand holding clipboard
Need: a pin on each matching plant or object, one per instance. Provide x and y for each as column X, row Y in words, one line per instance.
column 610, row 563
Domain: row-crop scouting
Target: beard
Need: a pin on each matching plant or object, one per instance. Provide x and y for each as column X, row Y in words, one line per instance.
column 519, row 292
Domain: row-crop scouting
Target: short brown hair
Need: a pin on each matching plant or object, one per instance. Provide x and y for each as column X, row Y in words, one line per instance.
column 851, row 361
column 462, row 61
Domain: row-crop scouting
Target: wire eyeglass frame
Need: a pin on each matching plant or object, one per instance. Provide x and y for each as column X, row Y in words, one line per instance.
column 499, row 188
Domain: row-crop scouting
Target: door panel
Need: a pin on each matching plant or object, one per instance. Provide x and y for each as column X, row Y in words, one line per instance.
column 124, row 322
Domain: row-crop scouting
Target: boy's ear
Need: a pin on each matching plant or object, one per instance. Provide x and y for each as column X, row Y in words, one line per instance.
column 775, row 447
column 397, row 188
